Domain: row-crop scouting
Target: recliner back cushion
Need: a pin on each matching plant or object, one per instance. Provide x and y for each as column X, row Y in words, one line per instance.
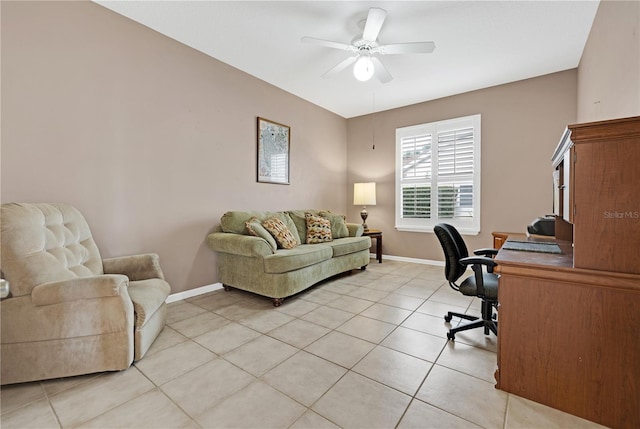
column 45, row 242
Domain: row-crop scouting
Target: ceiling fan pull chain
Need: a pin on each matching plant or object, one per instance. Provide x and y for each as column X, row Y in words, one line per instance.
column 373, row 128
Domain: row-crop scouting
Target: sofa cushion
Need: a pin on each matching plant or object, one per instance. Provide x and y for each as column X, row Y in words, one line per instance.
column 338, row 224
column 235, row 221
column 255, row 228
column 280, row 232
column 300, row 221
column 347, row 245
column 285, row 260
column 318, row 229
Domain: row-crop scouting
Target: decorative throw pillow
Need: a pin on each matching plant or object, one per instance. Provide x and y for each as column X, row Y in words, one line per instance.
column 255, row 228
column 288, row 222
column 280, row 232
column 318, row 229
column 297, row 216
column 338, row 224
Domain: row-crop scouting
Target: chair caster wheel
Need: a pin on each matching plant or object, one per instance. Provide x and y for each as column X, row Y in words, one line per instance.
column 451, row 336
column 447, row 318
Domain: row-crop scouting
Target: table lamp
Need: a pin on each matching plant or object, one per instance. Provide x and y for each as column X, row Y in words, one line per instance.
column 364, row 194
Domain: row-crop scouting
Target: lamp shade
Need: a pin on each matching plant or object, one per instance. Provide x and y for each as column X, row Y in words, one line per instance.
column 364, row 194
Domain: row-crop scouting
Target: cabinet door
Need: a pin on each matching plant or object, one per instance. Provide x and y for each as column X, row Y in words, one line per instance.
column 607, row 205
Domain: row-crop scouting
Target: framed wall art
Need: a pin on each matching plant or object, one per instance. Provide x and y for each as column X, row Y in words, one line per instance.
column 274, row 141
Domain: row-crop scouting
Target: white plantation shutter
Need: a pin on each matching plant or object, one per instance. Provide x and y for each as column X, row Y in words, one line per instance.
column 416, row 157
column 416, row 172
column 455, row 173
column 416, row 201
column 438, row 175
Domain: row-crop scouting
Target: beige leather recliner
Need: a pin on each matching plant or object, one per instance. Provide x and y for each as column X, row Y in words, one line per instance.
column 71, row 312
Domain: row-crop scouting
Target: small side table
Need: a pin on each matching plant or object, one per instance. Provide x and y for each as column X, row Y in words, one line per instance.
column 377, row 234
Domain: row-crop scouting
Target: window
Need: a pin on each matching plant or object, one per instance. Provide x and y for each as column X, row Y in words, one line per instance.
column 438, row 175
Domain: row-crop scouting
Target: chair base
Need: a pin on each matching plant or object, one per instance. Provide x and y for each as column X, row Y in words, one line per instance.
column 487, row 321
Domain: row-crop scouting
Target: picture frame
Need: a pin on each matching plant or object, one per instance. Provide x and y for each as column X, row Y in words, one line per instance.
column 273, row 144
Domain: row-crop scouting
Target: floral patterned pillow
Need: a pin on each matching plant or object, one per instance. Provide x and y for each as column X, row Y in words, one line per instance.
column 318, row 229
column 280, row 232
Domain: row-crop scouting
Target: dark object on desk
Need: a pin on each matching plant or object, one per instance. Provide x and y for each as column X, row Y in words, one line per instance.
column 543, row 226
column 532, row 246
column 482, row 284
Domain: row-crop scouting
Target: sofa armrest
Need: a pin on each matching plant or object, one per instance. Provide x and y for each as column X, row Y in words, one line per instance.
column 136, row 267
column 355, row 229
column 79, row 288
column 237, row 244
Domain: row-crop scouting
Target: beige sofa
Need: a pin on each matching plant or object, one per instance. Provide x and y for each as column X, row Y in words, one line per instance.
column 256, row 264
column 71, row 312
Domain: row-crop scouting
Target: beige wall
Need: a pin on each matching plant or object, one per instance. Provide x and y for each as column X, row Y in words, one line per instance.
column 522, row 123
column 609, row 72
column 151, row 140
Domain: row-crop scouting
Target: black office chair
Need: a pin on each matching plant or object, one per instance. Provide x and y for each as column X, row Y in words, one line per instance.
column 482, row 284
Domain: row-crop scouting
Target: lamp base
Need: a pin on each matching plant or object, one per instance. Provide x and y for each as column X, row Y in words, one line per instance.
column 364, row 215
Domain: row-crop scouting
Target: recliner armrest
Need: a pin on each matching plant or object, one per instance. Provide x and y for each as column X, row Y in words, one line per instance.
column 79, row 288
column 136, row 267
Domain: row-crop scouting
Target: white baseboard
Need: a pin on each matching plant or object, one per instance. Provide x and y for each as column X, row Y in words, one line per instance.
column 412, row 260
column 193, row 292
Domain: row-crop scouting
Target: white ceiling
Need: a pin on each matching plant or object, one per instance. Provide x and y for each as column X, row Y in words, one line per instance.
column 478, row 43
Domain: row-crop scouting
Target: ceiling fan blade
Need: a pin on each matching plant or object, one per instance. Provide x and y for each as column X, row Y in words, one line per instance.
column 381, row 71
column 340, row 66
column 406, row 48
column 327, row 43
column 375, row 19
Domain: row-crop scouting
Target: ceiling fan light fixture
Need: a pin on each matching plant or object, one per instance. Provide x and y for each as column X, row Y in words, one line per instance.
column 365, row 48
column 363, row 69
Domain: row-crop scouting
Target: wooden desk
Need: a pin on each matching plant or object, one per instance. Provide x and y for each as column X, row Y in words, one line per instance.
column 377, row 234
column 499, row 238
column 568, row 337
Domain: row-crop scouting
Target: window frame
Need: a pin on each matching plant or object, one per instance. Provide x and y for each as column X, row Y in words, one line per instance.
column 433, row 129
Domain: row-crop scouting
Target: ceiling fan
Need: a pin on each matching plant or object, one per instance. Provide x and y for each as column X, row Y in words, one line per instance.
column 365, row 48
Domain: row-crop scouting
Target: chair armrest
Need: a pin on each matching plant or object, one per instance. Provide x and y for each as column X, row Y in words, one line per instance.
column 238, row 244
column 482, row 260
column 478, row 260
column 355, row 229
column 476, row 263
column 79, row 288
column 486, row 251
column 136, row 267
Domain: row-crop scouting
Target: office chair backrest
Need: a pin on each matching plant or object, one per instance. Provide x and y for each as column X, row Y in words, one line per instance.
column 454, row 249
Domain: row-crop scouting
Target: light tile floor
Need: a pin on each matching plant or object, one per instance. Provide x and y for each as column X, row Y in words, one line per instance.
column 365, row 350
